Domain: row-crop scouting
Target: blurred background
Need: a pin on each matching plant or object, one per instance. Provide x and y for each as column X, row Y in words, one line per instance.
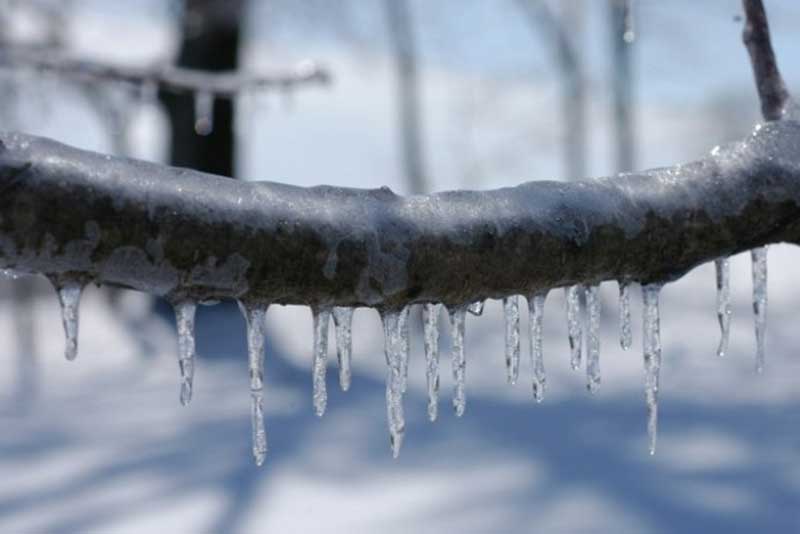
column 424, row 96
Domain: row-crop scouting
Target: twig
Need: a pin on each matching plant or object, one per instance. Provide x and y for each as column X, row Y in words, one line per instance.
column 166, row 78
column 771, row 88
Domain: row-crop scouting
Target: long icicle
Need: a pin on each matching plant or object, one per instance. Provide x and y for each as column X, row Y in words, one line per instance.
column 321, row 319
column 511, row 318
column 405, row 346
column 651, row 342
column 458, row 358
column 343, row 323
column 759, row 258
column 723, row 271
column 574, row 328
column 593, row 339
column 393, row 347
column 184, row 319
column 430, row 321
column 255, row 316
column 625, row 331
column 69, row 297
column 536, row 320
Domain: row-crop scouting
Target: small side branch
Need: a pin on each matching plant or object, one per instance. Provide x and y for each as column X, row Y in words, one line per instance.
column 771, row 88
column 165, row 78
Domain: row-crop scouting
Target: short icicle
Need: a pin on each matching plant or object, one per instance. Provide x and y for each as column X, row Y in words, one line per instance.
column 625, row 331
column 574, row 328
column 430, row 321
column 759, row 258
column 184, row 318
column 255, row 316
column 343, row 323
column 320, row 364
column 723, row 270
column 69, row 297
column 593, row 339
column 458, row 358
column 536, row 320
column 511, row 318
column 203, row 112
column 651, row 342
column 476, row 308
column 393, row 328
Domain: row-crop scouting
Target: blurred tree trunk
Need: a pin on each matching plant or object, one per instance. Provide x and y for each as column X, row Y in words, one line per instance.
column 210, row 41
column 407, row 93
column 622, row 37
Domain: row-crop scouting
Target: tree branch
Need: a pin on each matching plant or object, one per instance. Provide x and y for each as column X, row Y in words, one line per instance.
column 166, row 78
column 180, row 233
column 771, row 88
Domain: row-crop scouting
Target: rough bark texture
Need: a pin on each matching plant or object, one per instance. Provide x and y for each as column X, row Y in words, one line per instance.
column 177, row 232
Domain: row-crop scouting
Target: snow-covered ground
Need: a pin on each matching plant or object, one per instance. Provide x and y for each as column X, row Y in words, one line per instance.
column 102, row 444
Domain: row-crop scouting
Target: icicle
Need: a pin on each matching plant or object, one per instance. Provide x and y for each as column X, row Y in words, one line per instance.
column 723, row 268
column 69, row 296
column 457, row 328
column 184, row 317
column 320, row 365
column 476, row 308
column 430, row 320
column 625, row 333
column 256, row 322
column 203, row 112
column 343, row 322
column 406, row 346
column 629, row 28
column 759, row 258
column 574, row 329
column 651, row 341
column 536, row 307
column 394, row 348
column 511, row 316
column 593, row 339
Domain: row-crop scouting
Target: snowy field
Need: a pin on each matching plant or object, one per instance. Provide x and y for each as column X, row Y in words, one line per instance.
column 103, row 445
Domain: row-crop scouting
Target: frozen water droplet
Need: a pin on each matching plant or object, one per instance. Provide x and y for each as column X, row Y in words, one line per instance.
column 430, row 321
column 476, row 308
column 629, row 24
column 395, row 351
column 458, row 358
column 723, row 269
column 574, row 328
column 593, row 339
column 69, row 296
column 511, row 316
column 184, row 317
column 536, row 318
column 651, row 343
column 320, row 365
column 203, row 112
column 255, row 316
column 759, row 258
column 625, row 331
column 9, row 273
column 343, row 322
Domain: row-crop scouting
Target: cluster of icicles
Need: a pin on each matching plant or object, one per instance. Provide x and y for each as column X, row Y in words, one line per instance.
column 396, row 345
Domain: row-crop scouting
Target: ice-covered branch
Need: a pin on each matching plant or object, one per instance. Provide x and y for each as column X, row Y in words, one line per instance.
column 180, row 233
column 162, row 77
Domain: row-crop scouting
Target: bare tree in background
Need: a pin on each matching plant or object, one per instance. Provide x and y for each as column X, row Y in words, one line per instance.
column 404, row 53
